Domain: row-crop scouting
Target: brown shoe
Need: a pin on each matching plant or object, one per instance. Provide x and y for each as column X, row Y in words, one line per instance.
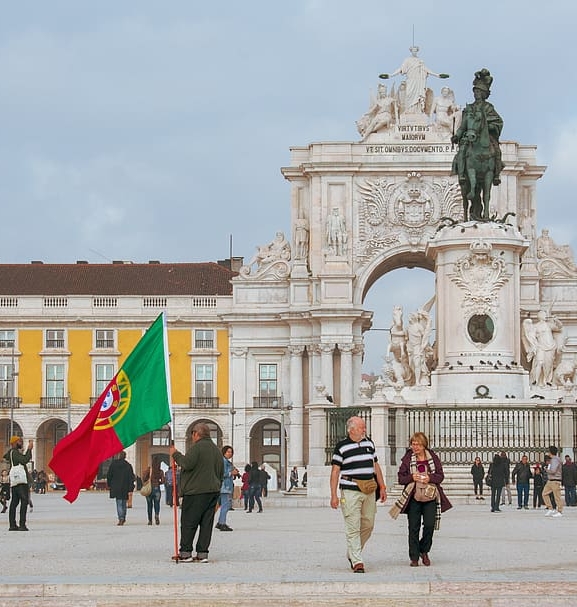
column 358, row 568
column 414, row 563
column 425, row 559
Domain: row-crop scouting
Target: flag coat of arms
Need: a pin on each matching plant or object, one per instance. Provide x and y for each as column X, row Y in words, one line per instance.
column 136, row 401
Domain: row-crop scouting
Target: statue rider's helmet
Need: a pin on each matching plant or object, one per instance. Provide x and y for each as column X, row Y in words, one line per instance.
column 483, row 81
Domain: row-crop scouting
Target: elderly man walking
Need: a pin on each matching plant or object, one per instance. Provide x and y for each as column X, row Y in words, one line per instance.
column 356, row 472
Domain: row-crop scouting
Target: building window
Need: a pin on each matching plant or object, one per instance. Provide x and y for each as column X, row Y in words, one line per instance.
column 55, row 381
column 104, row 373
column 271, row 435
column 161, row 438
column 6, row 380
column 203, row 381
column 104, row 338
column 267, row 378
column 7, row 338
column 204, row 339
column 55, row 339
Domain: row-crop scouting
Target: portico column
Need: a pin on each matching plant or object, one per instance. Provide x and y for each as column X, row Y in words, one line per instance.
column 327, row 367
column 238, row 388
column 296, row 456
column 346, row 374
column 358, row 350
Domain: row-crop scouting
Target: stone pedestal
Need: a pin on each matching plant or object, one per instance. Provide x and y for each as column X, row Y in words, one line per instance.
column 478, row 302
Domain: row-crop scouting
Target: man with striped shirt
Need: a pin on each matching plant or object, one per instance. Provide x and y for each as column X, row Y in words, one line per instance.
column 354, row 458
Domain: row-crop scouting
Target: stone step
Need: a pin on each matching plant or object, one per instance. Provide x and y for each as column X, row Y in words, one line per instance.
column 296, row 594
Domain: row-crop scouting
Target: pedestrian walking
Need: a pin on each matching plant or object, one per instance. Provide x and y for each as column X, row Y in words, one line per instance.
column 423, row 499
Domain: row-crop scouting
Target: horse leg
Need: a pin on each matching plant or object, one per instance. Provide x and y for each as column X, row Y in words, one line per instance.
column 488, row 182
column 465, row 202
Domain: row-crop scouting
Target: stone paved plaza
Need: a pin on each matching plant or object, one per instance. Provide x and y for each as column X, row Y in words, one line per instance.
column 76, row 555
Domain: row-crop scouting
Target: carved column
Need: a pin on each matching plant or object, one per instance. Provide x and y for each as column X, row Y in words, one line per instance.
column 327, row 367
column 347, row 397
column 241, row 398
column 315, row 365
column 295, row 455
column 358, row 351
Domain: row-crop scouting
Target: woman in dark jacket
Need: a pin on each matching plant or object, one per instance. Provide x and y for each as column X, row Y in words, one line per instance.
column 498, row 472
column 420, row 465
column 538, row 484
column 478, row 473
column 153, row 500
column 255, row 488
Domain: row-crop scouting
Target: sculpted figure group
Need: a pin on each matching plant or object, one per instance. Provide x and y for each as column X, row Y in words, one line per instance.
column 409, row 352
column 412, row 98
column 543, row 342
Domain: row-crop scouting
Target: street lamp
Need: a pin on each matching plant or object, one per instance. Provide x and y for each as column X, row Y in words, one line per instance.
column 283, row 411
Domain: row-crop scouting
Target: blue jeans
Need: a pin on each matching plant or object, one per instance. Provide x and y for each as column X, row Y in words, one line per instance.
column 570, row 496
column 121, row 506
column 153, row 500
column 522, row 494
column 225, row 506
column 255, row 491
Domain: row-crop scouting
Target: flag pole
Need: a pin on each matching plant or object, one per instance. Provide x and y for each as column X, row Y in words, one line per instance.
column 175, row 557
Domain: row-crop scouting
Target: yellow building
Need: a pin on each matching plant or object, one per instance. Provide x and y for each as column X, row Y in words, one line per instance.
column 65, row 330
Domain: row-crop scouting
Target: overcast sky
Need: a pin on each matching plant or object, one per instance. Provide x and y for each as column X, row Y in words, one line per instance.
column 142, row 130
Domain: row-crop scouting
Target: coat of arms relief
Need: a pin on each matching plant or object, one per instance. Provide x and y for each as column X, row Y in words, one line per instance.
column 395, row 213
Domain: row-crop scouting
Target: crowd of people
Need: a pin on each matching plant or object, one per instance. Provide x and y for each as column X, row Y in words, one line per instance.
column 548, row 478
column 205, row 479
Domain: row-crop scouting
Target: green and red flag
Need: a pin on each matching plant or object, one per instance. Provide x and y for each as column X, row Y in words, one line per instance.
column 136, row 401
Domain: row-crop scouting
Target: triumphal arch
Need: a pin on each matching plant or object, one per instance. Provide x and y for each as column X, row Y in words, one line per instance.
column 497, row 371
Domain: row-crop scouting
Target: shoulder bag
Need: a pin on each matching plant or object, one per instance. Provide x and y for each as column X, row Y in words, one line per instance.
column 146, row 488
column 425, row 492
column 17, row 474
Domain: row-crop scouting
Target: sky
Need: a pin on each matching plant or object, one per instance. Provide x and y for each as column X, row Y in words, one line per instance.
column 146, row 130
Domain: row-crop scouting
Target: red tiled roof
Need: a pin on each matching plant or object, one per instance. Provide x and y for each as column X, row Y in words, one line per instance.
column 115, row 279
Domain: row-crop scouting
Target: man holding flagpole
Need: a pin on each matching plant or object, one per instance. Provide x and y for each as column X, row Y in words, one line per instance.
column 202, row 472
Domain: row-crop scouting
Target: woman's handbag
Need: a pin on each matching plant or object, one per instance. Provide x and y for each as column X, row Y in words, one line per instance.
column 17, row 474
column 425, row 492
column 488, row 479
column 146, row 489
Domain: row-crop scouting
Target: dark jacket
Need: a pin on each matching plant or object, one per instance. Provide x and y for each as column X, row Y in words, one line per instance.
column 202, row 468
column 19, row 457
column 478, row 472
column 521, row 473
column 405, row 477
column 499, row 471
column 120, row 479
column 569, row 475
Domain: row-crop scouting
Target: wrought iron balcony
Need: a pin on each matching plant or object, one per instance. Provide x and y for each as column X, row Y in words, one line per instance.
column 10, row 402
column 54, row 402
column 204, row 344
column 55, row 343
column 204, row 402
column 104, row 343
column 267, row 402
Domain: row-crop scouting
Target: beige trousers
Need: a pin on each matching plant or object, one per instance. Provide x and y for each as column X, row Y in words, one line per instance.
column 553, row 487
column 359, row 511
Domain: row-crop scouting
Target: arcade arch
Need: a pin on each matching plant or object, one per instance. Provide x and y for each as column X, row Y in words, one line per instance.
column 407, row 280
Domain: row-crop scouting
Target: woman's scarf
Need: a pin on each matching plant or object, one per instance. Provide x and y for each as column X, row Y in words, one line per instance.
column 408, row 490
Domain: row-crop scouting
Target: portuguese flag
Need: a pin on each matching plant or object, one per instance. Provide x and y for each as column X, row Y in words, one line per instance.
column 136, row 401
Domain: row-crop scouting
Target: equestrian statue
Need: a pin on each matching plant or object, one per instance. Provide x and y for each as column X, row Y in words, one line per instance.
column 478, row 159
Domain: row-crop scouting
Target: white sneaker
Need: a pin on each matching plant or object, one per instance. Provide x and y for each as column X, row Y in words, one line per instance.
column 557, row 514
column 550, row 512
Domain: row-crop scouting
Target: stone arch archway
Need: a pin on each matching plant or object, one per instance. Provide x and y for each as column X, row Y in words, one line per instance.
column 385, row 264
column 48, row 434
